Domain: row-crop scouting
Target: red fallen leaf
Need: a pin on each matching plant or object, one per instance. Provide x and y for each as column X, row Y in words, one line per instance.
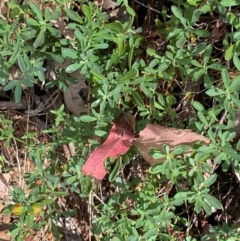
column 118, row 142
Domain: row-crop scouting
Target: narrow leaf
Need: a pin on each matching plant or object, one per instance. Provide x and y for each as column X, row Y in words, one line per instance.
column 208, row 182
column 230, row 51
column 206, row 207
column 225, row 78
column 229, row 3
column 72, row 67
column 69, row 53
column 35, row 8
column 129, row 75
column 32, row 22
column 198, row 106
column 21, row 64
column 18, row 92
column 40, row 38
column 214, row 202
column 87, row 118
column 115, row 170
column 215, row 92
column 10, row 85
column 236, row 62
column 116, row 26
column 138, row 100
column 87, row 11
column 176, row 12
column 235, row 85
column 73, row 15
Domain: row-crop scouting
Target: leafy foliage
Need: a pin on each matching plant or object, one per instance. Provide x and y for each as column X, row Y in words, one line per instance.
column 126, row 70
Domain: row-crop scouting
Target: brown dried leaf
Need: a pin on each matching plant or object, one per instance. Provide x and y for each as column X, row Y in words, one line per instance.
column 63, row 28
column 155, row 136
column 130, row 119
column 4, row 8
column 5, row 236
column 72, row 98
column 4, row 180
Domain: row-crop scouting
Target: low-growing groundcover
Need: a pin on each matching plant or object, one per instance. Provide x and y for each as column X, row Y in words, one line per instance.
column 154, row 79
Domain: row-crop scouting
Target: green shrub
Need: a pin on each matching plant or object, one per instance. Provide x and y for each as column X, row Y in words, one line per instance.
column 109, row 55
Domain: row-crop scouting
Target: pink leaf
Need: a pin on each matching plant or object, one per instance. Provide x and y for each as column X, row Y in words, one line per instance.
column 155, row 136
column 118, row 142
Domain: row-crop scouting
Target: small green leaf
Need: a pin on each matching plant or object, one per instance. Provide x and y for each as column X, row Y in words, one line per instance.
column 4, row 74
column 155, row 169
column 13, row 5
column 115, row 170
column 130, row 11
column 49, row 15
column 79, row 35
column 206, row 207
column 69, row 53
column 40, row 38
column 73, row 15
column 198, row 106
column 229, row 52
column 225, row 78
column 236, row 62
column 197, row 205
column 54, row 32
column 214, row 202
column 130, row 56
column 195, row 16
column 27, row 82
column 201, row 33
column 21, row 64
column 129, row 75
column 87, row 118
column 207, row 54
column 100, row 133
column 158, row 155
column 35, row 8
column 116, row 26
column 100, row 46
column 97, row 75
column 181, row 41
column 72, row 67
column 229, row 3
column 209, row 181
column 32, row 22
column 161, row 99
column 202, row 118
column 146, row 90
column 87, row 11
column 215, row 92
column 235, row 85
column 57, row 57
column 183, row 195
column 18, row 92
column 121, row 46
column 229, row 151
column 16, row 50
column 150, row 233
column 152, row 53
column 10, row 85
column 176, row 12
column 138, row 100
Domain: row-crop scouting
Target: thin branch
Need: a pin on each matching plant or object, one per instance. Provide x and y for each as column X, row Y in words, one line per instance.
column 148, row 7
